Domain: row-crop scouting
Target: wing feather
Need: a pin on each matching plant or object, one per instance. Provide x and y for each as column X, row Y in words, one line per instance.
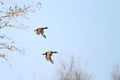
column 51, row 60
column 43, row 34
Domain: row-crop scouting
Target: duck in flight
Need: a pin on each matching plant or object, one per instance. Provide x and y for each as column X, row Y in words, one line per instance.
column 41, row 31
column 48, row 55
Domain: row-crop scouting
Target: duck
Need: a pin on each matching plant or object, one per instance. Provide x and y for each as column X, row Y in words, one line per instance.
column 48, row 55
column 41, row 31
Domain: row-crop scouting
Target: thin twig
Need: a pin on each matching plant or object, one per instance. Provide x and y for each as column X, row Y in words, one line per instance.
column 4, row 56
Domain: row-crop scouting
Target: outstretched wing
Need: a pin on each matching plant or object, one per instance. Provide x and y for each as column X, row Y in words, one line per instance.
column 43, row 34
column 51, row 60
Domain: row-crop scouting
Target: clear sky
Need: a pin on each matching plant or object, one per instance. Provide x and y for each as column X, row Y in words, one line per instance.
column 88, row 30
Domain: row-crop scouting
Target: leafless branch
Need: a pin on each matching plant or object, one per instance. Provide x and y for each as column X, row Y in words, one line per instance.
column 11, row 48
column 12, row 15
column 4, row 56
column 6, row 37
column 16, row 12
column 71, row 72
column 115, row 75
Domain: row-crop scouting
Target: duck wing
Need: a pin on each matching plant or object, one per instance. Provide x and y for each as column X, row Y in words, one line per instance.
column 51, row 60
column 43, row 34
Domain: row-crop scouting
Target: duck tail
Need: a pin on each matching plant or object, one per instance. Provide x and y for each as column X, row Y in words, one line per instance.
column 45, row 27
column 43, row 54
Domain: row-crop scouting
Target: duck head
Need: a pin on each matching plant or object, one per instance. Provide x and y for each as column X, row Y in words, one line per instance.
column 35, row 30
column 43, row 53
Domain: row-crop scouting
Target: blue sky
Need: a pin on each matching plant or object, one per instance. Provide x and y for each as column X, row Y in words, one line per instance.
column 85, row 29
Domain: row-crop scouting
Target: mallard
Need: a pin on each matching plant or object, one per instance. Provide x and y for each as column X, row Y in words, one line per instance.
column 48, row 55
column 41, row 30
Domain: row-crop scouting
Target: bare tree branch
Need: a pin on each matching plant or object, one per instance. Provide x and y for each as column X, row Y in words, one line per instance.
column 11, row 14
column 71, row 72
column 4, row 56
column 16, row 11
column 115, row 75
column 11, row 48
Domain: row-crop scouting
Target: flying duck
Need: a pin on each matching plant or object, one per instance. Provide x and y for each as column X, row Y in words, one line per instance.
column 48, row 55
column 41, row 31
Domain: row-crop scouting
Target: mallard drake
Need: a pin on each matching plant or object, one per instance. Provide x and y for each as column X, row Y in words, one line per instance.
column 41, row 30
column 48, row 55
